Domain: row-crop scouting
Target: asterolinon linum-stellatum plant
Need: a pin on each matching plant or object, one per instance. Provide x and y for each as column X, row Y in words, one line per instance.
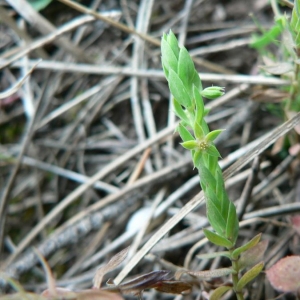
column 186, row 88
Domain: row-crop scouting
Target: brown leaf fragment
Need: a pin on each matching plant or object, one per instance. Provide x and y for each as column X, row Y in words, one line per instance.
column 174, row 287
column 111, row 265
column 284, row 275
column 140, row 283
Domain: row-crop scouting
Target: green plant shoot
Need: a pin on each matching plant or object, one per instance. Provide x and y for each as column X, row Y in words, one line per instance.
column 186, row 88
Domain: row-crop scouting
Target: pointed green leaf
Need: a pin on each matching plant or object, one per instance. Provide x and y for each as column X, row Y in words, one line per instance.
column 217, row 240
column 225, row 204
column 199, row 105
column 214, row 216
column 186, row 69
column 190, row 145
column 213, row 151
column 249, row 276
column 172, row 41
column 198, row 131
column 168, row 58
column 196, row 80
column 197, row 159
column 212, row 166
column 259, row 42
column 219, row 292
column 184, row 133
column 295, row 19
column 178, row 89
column 204, row 126
column 179, row 111
column 221, row 192
column 211, row 136
column 296, row 12
column 253, row 242
column 207, row 178
column 166, row 71
column 232, row 226
column 295, row 22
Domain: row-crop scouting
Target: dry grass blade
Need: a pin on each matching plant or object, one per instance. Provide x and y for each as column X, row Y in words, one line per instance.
column 57, row 293
column 17, row 286
column 152, row 73
column 17, row 85
column 270, row 139
column 99, row 157
column 41, row 42
column 10, row 21
column 9, row 186
column 40, row 23
column 115, row 261
column 118, row 25
column 81, row 189
column 50, row 278
column 192, row 204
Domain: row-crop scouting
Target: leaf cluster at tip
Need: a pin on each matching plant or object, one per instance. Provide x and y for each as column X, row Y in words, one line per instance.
column 186, row 88
column 179, row 70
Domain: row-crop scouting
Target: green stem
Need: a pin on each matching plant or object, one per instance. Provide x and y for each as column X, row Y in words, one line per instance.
column 235, row 278
column 185, row 86
column 294, row 88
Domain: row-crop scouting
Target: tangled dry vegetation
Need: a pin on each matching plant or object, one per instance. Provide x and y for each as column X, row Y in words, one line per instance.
column 90, row 164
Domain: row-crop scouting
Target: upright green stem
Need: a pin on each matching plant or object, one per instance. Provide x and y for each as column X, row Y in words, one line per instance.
column 235, row 278
column 294, row 88
column 186, row 88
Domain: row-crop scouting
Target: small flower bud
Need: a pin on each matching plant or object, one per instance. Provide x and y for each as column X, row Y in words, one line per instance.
column 213, row 92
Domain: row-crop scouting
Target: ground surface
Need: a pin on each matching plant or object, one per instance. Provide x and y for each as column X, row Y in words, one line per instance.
column 88, row 141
